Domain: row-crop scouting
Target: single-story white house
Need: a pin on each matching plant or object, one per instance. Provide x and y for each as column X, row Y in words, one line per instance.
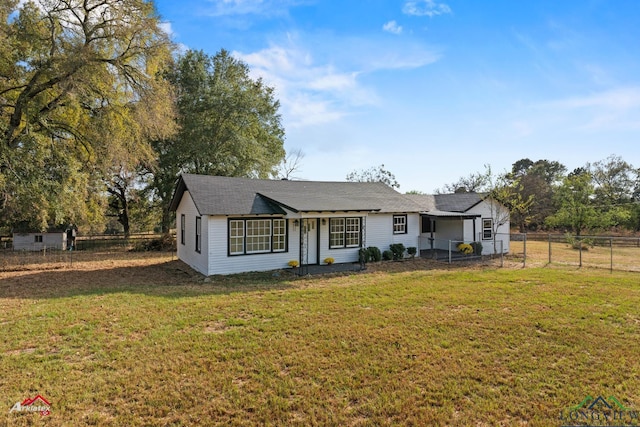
column 230, row 225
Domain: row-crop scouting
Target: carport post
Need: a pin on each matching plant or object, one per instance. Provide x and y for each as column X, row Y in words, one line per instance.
column 449, row 251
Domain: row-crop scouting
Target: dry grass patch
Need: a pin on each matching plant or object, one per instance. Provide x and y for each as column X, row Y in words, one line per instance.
column 154, row 345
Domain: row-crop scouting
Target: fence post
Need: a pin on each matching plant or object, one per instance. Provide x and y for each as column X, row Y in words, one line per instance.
column 611, row 252
column 549, row 248
column 449, row 251
column 580, row 242
column 501, row 253
column 524, row 261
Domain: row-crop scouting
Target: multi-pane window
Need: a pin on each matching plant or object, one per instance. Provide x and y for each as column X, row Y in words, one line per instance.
column 236, row 237
column 353, row 232
column 344, row 232
column 198, row 233
column 399, row 224
column 37, row 238
column 182, row 228
column 279, row 235
column 260, row 235
column 336, row 232
column 258, row 238
column 487, row 228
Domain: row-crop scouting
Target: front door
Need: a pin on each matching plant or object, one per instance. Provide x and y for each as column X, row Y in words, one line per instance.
column 309, row 241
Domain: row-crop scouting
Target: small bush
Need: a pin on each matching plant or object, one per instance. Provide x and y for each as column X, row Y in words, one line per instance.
column 397, row 249
column 293, row 263
column 387, row 255
column 329, row 260
column 412, row 251
column 164, row 243
column 575, row 242
column 374, row 254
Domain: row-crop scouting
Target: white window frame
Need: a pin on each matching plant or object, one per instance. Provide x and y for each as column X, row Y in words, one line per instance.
column 487, row 228
column 279, row 232
column 249, row 236
column 345, row 232
column 257, row 237
column 352, row 232
column 236, row 237
column 336, row 232
column 400, row 224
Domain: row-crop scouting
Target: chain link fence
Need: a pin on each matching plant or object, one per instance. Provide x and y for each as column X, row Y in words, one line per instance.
column 607, row 252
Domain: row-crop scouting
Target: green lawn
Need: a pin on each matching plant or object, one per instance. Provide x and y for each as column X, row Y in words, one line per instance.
column 436, row 347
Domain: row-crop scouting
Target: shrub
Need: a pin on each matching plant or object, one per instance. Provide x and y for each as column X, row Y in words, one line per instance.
column 293, row 263
column 363, row 256
column 397, row 249
column 164, row 243
column 412, row 251
column 477, row 248
column 329, row 260
column 576, row 241
column 387, row 255
column 465, row 248
column 374, row 254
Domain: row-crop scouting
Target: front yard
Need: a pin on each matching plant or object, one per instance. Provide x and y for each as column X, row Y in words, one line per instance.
column 147, row 342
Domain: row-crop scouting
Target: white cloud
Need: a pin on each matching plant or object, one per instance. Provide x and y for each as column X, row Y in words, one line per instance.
column 614, row 109
column 620, row 99
column 428, row 8
column 310, row 93
column 166, row 27
column 316, row 82
column 392, row 27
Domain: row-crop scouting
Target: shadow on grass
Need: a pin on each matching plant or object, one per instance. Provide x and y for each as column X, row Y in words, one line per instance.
column 175, row 279
column 172, row 279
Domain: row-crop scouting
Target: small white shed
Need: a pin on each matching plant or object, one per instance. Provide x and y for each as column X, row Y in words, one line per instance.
column 38, row 241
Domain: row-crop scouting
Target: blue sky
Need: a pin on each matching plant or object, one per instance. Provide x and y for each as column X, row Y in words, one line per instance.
column 434, row 90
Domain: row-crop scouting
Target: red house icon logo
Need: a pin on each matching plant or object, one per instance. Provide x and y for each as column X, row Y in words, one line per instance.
column 36, row 404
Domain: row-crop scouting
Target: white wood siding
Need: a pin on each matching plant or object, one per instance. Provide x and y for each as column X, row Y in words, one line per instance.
column 380, row 231
column 220, row 262
column 187, row 251
column 484, row 209
column 26, row 241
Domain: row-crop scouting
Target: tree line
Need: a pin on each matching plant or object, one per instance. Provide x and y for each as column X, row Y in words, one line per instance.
column 543, row 195
column 99, row 115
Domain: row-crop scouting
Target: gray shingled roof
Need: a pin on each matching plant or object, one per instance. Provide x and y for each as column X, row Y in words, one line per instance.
column 447, row 204
column 216, row 195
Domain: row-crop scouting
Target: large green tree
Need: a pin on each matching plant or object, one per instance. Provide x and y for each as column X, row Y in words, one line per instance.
column 229, row 124
column 534, row 181
column 77, row 83
column 573, row 199
column 615, row 182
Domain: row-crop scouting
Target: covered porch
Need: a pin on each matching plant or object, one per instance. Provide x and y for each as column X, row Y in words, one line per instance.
column 442, row 232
